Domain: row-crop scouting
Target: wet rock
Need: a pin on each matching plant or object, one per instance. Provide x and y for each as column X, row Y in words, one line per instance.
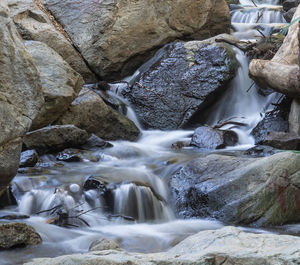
column 20, row 95
column 77, row 155
column 104, row 244
column 179, row 81
column 228, row 245
column 68, row 157
column 294, row 117
column 95, row 142
column 29, row 158
column 89, row 112
column 34, row 24
column 55, row 138
column 126, row 31
column 7, row 197
column 282, row 140
column 14, row 216
column 18, row 235
column 61, row 84
column 208, row 138
column 289, row 14
column 289, row 4
column 260, row 191
column 261, row 151
column 92, row 183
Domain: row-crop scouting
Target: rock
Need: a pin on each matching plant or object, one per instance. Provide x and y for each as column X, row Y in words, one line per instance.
column 294, row 117
column 288, row 16
column 92, row 183
column 18, row 235
column 61, row 84
column 55, row 138
column 115, row 37
column 283, row 140
column 77, row 155
column 89, row 112
column 104, row 244
column 228, row 245
column 259, row 191
column 94, row 142
column 34, row 24
column 68, row 157
column 29, row 158
column 14, row 216
column 20, row 95
column 7, row 197
column 260, row 151
column 289, row 4
column 180, row 81
column 209, row 138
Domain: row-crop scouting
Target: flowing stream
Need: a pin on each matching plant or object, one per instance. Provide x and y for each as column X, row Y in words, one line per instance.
column 140, row 216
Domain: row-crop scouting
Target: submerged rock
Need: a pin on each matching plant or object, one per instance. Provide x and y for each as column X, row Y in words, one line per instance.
column 55, row 138
column 179, row 81
column 61, row 84
column 18, row 235
column 115, row 37
column 208, row 138
column 261, row 191
column 228, row 245
column 20, row 95
column 89, row 112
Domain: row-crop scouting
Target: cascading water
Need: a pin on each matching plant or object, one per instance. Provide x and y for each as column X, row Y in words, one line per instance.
column 127, row 197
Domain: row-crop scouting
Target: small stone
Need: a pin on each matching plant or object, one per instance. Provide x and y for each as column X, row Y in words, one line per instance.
column 104, row 244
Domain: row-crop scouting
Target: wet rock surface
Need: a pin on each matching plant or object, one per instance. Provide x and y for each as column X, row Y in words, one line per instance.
column 104, row 244
column 55, row 138
column 282, row 140
column 18, row 235
column 179, row 81
column 95, row 142
column 260, row 191
column 115, row 37
column 29, row 158
column 208, row 138
column 228, row 245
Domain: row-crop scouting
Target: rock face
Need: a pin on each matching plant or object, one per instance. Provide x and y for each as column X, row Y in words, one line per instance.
column 104, row 244
column 209, row 138
column 20, row 95
column 115, row 37
column 55, row 138
column 179, row 81
column 61, row 84
column 18, row 234
column 89, row 112
column 262, row 191
column 228, row 246
column 33, row 24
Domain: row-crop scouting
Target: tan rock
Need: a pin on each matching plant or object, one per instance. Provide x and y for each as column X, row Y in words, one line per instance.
column 294, row 117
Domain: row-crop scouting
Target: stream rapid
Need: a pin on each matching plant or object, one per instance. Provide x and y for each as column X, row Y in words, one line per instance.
column 141, row 216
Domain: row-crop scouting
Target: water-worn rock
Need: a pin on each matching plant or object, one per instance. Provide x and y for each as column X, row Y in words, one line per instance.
column 260, row 151
column 209, row 138
column 20, row 95
column 104, row 244
column 28, row 158
column 94, row 142
column 288, row 15
column 282, row 140
column 228, row 246
column 115, row 37
column 34, row 24
column 18, row 235
column 89, row 112
column 262, row 191
column 294, row 117
column 77, row 155
column 55, row 138
column 179, row 81
column 61, row 84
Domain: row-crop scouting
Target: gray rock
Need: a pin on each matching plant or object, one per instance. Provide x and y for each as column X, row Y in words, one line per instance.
column 18, row 235
column 208, row 138
column 29, row 158
column 288, row 16
column 89, row 112
column 115, row 37
column 228, row 246
column 77, row 155
column 104, row 244
column 260, row 151
column 34, row 24
column 282, row 140
column 180, row 81
column 261, row 191
column 61, row 84
column 20, row 95
column 95, row 142
column 289, row 4
column 55, row 138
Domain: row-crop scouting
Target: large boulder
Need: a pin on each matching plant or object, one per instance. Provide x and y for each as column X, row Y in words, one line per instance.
column 226, row 246
column 294, row 117
column 115, row 37
column 180, row 81
column 61, row 84
column 38, row 25
column 282, row 140
column 89, row 112
column 18, row 235
column 20, row 95
column 262, row 191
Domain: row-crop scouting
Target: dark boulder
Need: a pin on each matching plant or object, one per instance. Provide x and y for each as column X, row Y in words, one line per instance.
column 209, row 138
column 288, row 15
column 282, row 140
column 95, row 142
column 29, row 158
column 179, row 81
column 289, row 4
